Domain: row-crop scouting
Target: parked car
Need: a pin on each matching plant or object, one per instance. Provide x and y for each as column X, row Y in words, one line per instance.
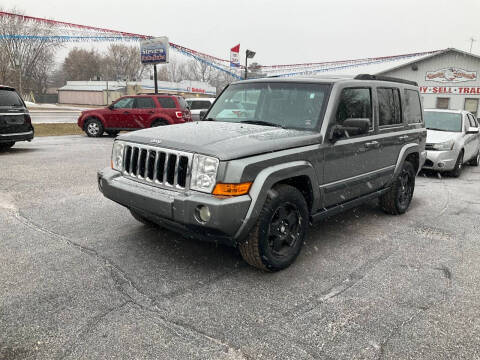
column 15, row 122
column 255, row 178
column 135, row 112
column 198, row 105
column 453, row 139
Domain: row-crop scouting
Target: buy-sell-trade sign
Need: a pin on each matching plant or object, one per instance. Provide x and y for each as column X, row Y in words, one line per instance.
column 154, row 51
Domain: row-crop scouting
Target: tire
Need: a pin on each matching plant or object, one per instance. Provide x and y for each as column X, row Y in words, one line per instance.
column 112, row 133
column 397, row 200
column 457, row 170
column 277, row 238
column 159, row 122
column 6, row 145
column 93, row 127
column 476, row 160
column 142, row 219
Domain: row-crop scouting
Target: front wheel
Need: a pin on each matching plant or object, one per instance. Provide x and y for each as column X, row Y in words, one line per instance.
column 457, row 170
column 397, row 200
column 476, row 160
column 277, row 238
column 94, row 127
column 6, row 145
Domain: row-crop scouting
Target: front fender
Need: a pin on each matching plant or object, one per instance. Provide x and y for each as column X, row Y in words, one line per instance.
column 265, row 180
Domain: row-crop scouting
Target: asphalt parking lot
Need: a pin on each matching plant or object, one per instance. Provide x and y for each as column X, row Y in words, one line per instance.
column 81, row 279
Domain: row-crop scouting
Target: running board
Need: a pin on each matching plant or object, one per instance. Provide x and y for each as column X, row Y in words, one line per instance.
column 346, row 205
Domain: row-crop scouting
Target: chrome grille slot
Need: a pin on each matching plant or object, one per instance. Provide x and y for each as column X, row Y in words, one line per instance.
column 160, row 167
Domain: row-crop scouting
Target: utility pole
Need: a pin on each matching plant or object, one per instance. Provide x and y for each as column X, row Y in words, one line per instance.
column 155, row 78
column 472, row 40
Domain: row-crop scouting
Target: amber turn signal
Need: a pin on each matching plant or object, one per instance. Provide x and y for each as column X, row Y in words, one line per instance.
column 232, row 189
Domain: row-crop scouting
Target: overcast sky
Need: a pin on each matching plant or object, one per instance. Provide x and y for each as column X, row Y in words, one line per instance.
column 281, row 31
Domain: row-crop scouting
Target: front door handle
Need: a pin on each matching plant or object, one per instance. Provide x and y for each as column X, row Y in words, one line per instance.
column 403, row 138
column 372, row 145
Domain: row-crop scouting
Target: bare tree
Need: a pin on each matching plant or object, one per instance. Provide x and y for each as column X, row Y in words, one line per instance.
column 81, row 64
column 24, row 62
column 122, row 62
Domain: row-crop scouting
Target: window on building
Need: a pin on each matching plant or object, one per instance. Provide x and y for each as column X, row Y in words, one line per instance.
column 144, row 103
column 471, row 105
column 389, row 108
column 443, row 103
column 413, row 109
column 167, row 102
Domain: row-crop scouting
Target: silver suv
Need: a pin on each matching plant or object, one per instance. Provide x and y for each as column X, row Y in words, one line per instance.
column 271, row 156
column 453, row 139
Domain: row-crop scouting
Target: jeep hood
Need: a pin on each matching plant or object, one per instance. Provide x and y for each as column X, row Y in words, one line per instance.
column 223, row 140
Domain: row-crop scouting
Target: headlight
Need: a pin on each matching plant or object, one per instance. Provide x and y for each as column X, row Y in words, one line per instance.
column 204, row 173
column 117, row 155
column 447, row 145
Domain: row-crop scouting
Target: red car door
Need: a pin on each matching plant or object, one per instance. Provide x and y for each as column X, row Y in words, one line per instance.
column 143, row 110
column 121, row 113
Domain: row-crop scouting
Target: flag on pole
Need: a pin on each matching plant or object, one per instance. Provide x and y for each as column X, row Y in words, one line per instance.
column 234, row 56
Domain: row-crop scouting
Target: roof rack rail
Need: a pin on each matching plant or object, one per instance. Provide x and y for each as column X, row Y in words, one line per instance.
column 384, row 78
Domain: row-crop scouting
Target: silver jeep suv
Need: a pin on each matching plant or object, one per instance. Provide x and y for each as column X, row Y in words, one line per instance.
column 271, row 156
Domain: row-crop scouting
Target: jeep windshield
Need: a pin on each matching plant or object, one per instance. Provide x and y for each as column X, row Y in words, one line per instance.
column 286, row 105
column 443, row 121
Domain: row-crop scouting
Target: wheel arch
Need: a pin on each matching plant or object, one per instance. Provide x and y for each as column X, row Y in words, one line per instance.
column 300, row 174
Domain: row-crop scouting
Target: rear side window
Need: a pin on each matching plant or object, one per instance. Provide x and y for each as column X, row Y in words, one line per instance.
column 354, row 103
column 199, row 104
column 413, row 109
column 144, row 103
column 389, row 109
column 10, row 98
column 167, row 103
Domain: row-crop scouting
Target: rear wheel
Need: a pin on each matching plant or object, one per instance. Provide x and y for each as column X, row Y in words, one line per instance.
column 159, row 122
column 457, row 170
column 277, row 238
column 94, row 127
column 397, row 200
column 6, row 145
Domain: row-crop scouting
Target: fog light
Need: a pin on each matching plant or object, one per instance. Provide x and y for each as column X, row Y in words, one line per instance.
column 441, row 164
column 203, row 213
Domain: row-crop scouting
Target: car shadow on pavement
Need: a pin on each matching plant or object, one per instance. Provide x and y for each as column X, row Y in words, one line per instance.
column 17, row 151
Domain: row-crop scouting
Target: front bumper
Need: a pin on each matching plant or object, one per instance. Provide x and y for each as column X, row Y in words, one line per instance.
column 19, row 136
column 176, row 210
column 441, row 160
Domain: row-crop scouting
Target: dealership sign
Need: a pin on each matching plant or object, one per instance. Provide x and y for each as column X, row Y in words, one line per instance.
column 450, row 90
column 234, row 56
column 451, row 74
column 154, row 51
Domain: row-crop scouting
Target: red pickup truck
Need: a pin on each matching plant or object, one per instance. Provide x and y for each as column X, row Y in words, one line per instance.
column 133, row 113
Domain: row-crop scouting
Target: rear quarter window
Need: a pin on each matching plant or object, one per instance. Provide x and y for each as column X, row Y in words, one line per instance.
column 182, row 102
column 413, row 108
column 167, row 103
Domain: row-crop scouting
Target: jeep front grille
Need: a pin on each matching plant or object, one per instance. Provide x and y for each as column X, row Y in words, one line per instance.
column 161, row 167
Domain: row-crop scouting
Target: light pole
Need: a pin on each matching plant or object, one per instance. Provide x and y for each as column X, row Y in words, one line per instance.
column 249, row 54
column 18, row 65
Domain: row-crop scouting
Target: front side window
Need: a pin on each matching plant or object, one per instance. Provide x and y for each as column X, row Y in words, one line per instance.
column 144, row 103
column 199, row 104
column 125, row 103
column 354, row 103
column 443, row 121
column 413, row 109
column 167, row 103
column 389, row 110
column 9, row 98
column 282, row 104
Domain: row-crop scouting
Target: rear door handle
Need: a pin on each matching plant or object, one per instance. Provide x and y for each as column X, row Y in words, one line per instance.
column 372, row 145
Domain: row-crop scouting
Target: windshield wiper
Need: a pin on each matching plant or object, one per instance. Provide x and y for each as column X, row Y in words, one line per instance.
column 439, row 129
column 259, row 122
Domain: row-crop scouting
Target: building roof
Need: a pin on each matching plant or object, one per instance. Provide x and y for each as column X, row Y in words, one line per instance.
column 93, row 86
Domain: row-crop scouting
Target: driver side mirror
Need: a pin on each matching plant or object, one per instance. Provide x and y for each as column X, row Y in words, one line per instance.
column 350, row 127
column 111, row 107
column 472, row 130
column 202, row 114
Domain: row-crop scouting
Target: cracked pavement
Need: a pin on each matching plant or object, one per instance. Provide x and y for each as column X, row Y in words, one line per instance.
column 81, row 279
